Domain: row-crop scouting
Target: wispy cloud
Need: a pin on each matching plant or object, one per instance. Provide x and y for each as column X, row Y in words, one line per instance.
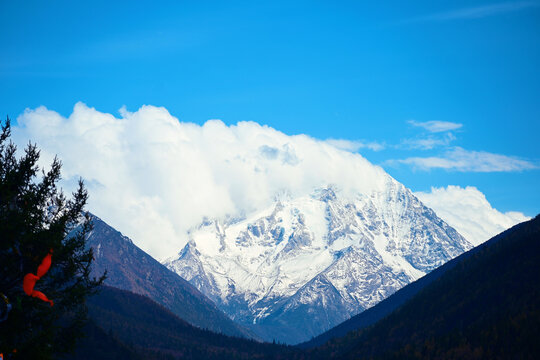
column 427, row 143
column 355, row 145
column 436, row 126
column 440, row 135
column 459, row 159
column 474, row 12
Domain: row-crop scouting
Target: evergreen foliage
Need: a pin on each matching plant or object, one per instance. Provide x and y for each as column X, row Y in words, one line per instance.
column 35, row 216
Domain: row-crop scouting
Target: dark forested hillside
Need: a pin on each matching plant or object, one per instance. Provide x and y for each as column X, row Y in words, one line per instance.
column 99, row 344
column 387, row 306
column 130, row 268
column 127, row 325
column 486, row 306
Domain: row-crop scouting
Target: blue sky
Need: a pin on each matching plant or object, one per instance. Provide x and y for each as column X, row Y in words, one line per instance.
column 383, row 74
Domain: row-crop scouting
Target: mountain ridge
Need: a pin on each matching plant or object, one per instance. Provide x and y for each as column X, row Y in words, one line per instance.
column 484, row 305
column 130, row 268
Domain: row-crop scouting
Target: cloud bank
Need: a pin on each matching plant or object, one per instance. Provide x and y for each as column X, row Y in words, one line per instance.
column 154, row 177
column 468, row 211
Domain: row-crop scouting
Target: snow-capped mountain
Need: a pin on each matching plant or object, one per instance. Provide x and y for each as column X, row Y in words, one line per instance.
column 306, row 264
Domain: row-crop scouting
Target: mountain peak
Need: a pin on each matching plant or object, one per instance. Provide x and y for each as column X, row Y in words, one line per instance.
column 359, row 248
column 326, row 194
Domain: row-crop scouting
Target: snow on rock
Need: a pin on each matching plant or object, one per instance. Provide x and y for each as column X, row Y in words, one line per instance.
column 306, row 264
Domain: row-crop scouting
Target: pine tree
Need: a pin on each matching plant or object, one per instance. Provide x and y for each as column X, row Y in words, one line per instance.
column 35, row 218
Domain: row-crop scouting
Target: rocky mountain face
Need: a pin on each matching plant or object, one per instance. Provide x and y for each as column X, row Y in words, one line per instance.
column 130, row 268
column 300, row 267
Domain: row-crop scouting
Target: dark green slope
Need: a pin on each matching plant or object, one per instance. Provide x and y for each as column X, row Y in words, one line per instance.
column 129, row 324
column 98, row 344
column 486, row 306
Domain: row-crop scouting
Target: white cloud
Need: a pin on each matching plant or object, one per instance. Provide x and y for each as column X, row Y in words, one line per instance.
column 459, row 159
column 475, row 12
column 436, row 126
column 350, row 145
column 468, row 211
column 153, row 177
